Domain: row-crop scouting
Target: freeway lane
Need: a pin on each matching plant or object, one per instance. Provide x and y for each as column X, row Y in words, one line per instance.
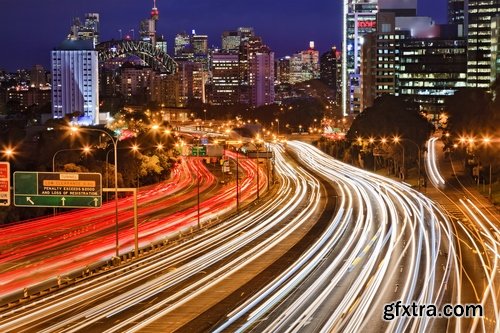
column 292, row 264
column 393, row 253
column 157, row 285
column 25, row 262
column 476, row 226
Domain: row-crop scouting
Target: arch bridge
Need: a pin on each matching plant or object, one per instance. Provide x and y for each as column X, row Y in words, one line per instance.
column 153, row 57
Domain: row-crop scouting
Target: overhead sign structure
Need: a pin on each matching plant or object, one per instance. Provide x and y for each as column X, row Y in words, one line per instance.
column 199, row 151
column 4, row 184
column 57, row 189
column 260, row 154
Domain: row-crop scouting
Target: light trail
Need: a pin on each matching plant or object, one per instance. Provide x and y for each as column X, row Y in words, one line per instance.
column 217, row 244
column 388, row 226
column 431, row 163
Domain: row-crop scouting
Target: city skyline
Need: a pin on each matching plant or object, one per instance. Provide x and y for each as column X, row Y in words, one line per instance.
column 286, row 27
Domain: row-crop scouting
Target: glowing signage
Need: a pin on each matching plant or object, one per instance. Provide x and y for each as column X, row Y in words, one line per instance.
column 367, row 24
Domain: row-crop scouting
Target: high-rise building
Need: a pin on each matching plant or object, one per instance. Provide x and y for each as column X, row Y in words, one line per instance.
column 424, row 70
column 200, row 45
column 182, row 46
column 330, row 69
column 225, row 79
column 495, row 48
column 380, row 58
column 457, row 14
column 432, row 69
column 304, row 65
column 480, row 15
column 231, row 41
column 359, row 20
column 147, row 27
column 283, row 74
column 89, row 30
column 75, row 76
column 38, row 76
column 261, row 75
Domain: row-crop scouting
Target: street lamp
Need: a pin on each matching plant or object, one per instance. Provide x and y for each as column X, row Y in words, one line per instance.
column 257, row 169
column 135, row 149
column 85, row 149
column 278, row 121
column 75, row 129
column 487, row 141
column 9, row 152
column 198, row 176
column 397, row 139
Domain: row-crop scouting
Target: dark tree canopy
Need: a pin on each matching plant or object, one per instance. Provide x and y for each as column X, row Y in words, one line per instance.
column 390, row 116
column 470, row 110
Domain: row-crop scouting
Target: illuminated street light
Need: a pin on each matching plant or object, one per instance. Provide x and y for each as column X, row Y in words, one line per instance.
column 75, row 129
column 85, row 149
column 397, row 140
column 487, row 141
column 9, row 152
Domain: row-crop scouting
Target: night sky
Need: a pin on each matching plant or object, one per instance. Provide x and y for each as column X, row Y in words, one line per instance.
column 31, row 28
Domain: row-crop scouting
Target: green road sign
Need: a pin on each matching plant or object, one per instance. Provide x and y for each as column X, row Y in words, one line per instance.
column 56, row 189
column 199, row 151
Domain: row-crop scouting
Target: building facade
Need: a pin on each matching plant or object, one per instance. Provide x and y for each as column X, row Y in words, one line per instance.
column 75, row 76
column 359, row 20
column 225, row 79
column 262, row 78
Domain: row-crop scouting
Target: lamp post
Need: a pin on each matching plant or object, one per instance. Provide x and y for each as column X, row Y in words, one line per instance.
column 397, row 140
column 75, row 129
column 487, row 141
column 84, row 149
column 237, row 182
column 198, row 182
column 257, row 169
column 278, row 121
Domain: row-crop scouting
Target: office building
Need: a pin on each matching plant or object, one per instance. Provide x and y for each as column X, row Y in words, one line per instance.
column 75, row 86
column 359, row 20
column 200, row 45
column 225, row 79
column 261, row 77
column 424, row 70
column 38, row 76
column 89, row 30
column 477, row 18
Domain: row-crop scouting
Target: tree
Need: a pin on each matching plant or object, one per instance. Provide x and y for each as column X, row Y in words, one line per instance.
column 391, row 116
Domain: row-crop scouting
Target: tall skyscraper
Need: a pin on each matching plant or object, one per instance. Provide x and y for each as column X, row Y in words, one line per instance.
column 38, row 77
column 89, row 30
column 480, row 15
column 147, row 28
column 359, row 20
column 75, row 77
column 200, row 44
column 182, row 45
column 225, row 79
column 261, row 75
column 231, row 41
column 330, row 70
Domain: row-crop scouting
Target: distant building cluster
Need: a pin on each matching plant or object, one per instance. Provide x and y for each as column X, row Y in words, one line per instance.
column 241, row 72
column 387, row 49
column 390, row 50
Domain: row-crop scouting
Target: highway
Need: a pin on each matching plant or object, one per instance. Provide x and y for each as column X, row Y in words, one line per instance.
column 37, row 251
column 324, row 251
column 138, row 295
column 476, row 228
column 385, row 243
